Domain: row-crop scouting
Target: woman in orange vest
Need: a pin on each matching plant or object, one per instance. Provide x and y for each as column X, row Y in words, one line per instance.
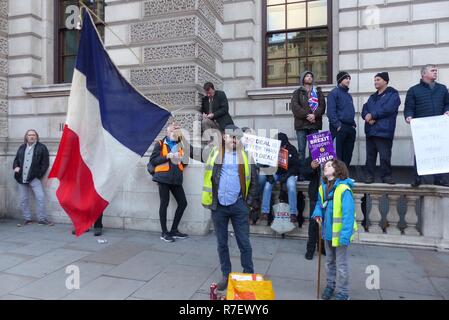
column 169, row 162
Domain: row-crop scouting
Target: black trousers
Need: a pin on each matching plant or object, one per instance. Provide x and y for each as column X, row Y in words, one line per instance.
column 313, row 240
column 344, row 141
column 99, row 222
column 382, row 146
column 164, row 194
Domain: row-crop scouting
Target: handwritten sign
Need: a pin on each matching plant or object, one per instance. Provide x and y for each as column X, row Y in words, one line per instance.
column 431, row 141
column 263, row 150
column 321, row 146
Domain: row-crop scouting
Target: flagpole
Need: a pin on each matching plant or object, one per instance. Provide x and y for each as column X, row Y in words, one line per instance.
column 84, row 6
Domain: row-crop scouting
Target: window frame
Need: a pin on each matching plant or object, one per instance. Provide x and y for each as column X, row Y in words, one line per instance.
column 58, row 61
column 265, row 34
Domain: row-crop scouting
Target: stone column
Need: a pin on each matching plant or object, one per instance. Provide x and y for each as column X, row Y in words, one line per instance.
column 3, row 102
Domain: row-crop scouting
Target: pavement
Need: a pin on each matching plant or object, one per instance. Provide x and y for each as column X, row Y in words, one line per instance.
column 38, row 262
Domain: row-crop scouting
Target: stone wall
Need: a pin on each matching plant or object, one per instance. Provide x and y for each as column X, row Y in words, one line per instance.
column 3, row 100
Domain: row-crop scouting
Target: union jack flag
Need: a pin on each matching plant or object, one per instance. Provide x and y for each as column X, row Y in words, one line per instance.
column 313, row 100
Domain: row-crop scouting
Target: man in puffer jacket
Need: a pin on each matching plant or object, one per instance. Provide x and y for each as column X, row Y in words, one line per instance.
column 380, row 113
column 426, row 99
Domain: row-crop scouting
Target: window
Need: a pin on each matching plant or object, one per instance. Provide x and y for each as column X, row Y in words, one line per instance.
column 66, row 46
column 297, row 37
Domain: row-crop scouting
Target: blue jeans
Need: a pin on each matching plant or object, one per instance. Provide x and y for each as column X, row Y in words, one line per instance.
column 302, row 143
column 291, row 189
column 238, row 213
column 24, row 194
column 262, row 180
column 337, row 262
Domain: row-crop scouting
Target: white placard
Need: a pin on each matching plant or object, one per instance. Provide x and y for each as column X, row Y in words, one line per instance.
column 431, row 143
column 263, row 150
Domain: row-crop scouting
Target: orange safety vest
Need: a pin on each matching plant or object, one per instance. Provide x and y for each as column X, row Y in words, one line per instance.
column 165, row 167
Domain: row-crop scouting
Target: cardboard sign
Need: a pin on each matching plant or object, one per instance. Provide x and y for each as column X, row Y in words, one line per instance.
column 321, row 146
column 263, row 150
column 431, row 140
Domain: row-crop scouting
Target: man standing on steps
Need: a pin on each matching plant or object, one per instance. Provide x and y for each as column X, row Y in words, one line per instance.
column 341, row 113
column 426, row 99
column 380, row 113
column 308, row 106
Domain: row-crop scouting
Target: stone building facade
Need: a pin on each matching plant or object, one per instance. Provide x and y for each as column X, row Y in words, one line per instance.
column 180, row 44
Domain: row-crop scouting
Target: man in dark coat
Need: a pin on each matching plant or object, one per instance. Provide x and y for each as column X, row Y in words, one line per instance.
column 426, row 99
column 341, row 113
column 308, row 106
column 30, row 165
column 379, row 113
column 215, row 109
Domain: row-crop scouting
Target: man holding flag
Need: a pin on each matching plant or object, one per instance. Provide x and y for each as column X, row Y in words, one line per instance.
column 308, row 106
column 109, row 127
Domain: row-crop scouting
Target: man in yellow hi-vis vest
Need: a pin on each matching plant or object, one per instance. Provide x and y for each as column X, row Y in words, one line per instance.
column 335, row 209
column 229, row 189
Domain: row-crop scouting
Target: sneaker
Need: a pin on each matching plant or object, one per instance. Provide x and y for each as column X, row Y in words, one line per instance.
column 24, row 223
column 223, row 284
column 327, row 294
column 388, row 180
column 341, row 296
column 178, row 235
column 45, row 222
column 165, row 236
column 98, row 232
column 309, row 255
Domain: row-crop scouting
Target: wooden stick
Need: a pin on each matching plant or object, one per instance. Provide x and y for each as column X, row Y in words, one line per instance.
column 319, row 262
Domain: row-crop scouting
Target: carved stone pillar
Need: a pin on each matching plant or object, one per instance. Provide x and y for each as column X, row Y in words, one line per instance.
column 180, row 49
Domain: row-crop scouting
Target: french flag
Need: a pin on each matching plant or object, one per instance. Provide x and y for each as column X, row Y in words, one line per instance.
column 109, row 127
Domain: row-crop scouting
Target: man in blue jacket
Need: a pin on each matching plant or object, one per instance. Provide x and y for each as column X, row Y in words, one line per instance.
column 341, row 113
column 427, row 99
column 379, row 113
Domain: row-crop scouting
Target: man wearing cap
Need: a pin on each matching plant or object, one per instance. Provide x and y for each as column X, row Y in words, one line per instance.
column 341, row 113
column 308, row 106
column 426, row 99
column 229, row 189
column 379, row 113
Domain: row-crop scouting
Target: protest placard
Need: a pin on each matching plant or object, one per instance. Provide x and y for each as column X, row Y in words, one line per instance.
column 264, row 150
column 283, row 159
column 431, row 141
column 321, row 146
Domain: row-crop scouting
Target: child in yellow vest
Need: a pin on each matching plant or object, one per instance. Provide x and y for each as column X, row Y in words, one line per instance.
column 335, row 210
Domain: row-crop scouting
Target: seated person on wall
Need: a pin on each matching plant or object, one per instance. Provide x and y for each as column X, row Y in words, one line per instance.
column 215, row 109
column 169, row 161
column 288, row 176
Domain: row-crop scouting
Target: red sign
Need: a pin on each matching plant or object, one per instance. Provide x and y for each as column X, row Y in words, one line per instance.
column 283, row 159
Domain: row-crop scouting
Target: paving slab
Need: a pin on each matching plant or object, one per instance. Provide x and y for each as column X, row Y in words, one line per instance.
column 106, row 288
column 53, row 286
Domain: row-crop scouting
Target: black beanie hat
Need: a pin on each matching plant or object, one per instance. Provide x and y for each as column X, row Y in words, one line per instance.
column 383, row 75
column 341, row 76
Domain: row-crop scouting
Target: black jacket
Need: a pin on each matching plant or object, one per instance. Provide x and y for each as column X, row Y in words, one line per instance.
column 203, row 155
column 422, row 101
column 293, row 159
column 174, row 175
column 220, row 109
column 39, row 165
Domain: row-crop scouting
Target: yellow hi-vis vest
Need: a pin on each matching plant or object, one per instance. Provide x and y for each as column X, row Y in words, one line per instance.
column 206, row 197
column 337, row 223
